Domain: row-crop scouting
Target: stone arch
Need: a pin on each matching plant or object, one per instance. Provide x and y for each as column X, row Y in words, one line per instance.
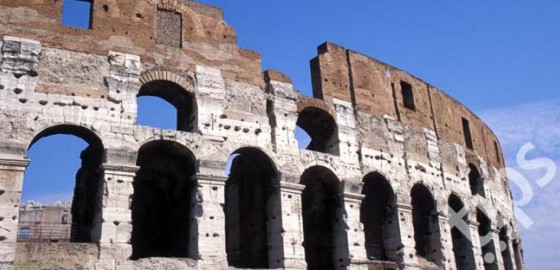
column 377, row 214
column 86, row 201
column 83, row 132
column 460, row 233
column 476, row 181
column 330, row 165
column 252, row 208
column 319, row 122
column 323, row 209
column 162, row 75
column 425, row 222
column 175, row 90
column 163, row 200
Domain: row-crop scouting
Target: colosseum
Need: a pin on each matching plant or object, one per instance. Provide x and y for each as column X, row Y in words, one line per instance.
column 398, row 175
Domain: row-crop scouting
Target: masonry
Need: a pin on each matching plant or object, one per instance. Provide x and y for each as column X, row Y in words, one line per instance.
column 398, row 175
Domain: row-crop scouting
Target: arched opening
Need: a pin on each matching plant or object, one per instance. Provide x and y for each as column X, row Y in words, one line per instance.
column 376, row 213
column 182, row 100
column 68, row 215
column 486, row 240
column 460, row 234
column 425, row 222
column 252, row 209
column 476, row 181
column 321, row 128
column 505, row 249
column 322, row 216
column 163, row 200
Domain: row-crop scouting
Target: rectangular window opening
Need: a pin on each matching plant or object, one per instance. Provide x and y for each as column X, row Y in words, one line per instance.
column 467, row 133
column 408, row 96
column 77, row 13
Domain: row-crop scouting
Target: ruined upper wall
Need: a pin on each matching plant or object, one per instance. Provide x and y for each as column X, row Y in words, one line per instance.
column 132, row 26
column 374, row 88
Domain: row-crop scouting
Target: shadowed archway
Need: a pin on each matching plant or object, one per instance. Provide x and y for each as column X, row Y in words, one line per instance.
column 322, row 217
column 460, row 236
column 376, row 213
column 252, row 208
column 163, row 200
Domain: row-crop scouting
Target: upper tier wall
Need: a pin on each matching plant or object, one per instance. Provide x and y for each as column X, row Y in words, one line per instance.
column 131, row 26
column 374, row 87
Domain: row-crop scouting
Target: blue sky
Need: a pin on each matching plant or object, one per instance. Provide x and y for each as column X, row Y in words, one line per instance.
column 500, row 58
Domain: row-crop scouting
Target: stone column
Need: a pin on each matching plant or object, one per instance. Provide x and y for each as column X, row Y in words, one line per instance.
column 11, row 181
column 355, row 230
column 407, row 252
column 292, row 226
column 115, row 226
column 510, row 253
column 209, row 222
column 476, row 246
column 518, row 259
column 497, row 250
column 442, row 236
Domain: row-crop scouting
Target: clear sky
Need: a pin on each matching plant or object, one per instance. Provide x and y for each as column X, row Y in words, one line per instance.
column 500, row 58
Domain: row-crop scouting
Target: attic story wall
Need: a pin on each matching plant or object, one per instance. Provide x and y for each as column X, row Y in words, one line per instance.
column 375, row 88
column 129, row 26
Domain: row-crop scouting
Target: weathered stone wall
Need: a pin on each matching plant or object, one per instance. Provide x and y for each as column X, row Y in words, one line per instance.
column 56, row 79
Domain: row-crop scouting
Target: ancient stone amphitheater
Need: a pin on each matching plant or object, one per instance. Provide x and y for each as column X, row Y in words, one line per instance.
column 398, row 175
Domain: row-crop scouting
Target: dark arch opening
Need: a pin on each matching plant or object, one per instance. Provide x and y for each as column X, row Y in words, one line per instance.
column 85, row 207
column 321, row 128
column 376, row 213
column 462, row 246
column 476, row 181
column 322, row 212
column 252, row 209
column 505, row 249
column 163, row 200
column 183, row 101
column 486, row 240
column 425, row 222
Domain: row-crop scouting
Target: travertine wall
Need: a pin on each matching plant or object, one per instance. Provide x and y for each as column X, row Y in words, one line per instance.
column 56, row 79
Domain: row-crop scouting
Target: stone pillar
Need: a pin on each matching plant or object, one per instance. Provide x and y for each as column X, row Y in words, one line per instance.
column 518, row 259
column 209, row 222
column 407, row 253
column 116, row 222
column 510, row 253
column 355, row 230
column 476, row 246
column 497, row 250
column 11, row 181
column 442, row 236
column 292, row 226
